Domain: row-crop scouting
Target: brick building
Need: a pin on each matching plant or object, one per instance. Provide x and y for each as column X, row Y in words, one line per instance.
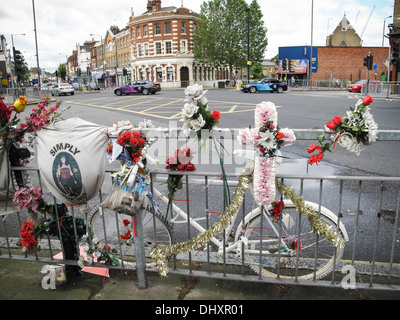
column 347, row 63
column 162, row 43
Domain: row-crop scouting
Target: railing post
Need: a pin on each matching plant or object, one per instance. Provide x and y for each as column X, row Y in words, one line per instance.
column 139, row 249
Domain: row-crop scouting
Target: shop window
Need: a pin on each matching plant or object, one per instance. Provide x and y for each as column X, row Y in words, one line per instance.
column 170, row 74
column 159, row 74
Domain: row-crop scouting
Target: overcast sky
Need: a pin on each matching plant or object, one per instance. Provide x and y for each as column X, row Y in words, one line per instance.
column 62, row 24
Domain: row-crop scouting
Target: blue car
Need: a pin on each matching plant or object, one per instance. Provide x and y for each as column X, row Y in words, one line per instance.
column 140, row 86
column 270, row 85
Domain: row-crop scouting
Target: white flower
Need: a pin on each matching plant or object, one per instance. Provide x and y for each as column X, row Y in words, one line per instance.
column 189, row 110
column 267, row 140
column 198, row 123
column 145, row 124
column 81, row 261
column 370, row 126
column 194, row 92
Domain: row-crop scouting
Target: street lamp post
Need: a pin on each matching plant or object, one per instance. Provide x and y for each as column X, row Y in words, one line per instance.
column 248, row 44
column 37, row 51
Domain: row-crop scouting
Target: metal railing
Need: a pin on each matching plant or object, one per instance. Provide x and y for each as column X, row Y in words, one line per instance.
column 368, row 206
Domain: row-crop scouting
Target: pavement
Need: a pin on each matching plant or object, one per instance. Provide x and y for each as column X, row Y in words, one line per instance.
column 22, row 280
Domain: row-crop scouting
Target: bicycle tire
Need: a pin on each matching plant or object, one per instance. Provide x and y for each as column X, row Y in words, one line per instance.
column 164, row 233
column 274, row 263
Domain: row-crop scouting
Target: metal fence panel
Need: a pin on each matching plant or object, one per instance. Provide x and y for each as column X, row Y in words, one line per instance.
column 368, row 206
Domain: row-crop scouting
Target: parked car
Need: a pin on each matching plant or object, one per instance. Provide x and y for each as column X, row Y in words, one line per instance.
column 141, row 86
column 374, row 85
column 267, row 84
column 62, row 89
column 94, row 86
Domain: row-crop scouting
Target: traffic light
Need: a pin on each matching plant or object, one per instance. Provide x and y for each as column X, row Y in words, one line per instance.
column 284, row 64
column 18, row 60
column 395, row 52
column 369, row 61
column 124, row 72
column 289, row 66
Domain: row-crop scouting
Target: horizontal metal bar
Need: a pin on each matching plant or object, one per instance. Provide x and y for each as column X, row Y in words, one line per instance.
column 301, row 134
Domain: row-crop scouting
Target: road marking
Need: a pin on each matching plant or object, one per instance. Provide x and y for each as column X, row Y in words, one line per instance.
column 234, row 107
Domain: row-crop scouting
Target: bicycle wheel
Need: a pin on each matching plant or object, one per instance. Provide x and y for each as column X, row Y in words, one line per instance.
column 109, row 227
column 280, row 239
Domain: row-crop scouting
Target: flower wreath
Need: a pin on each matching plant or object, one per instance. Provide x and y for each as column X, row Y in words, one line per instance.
column 357, row 127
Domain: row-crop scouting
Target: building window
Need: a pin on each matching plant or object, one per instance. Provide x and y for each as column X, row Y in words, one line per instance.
column 183, row 27
column 157, row 28
column 168, row 47
column 138, row 32
column 140, row 50
column 158, row 48
column 146, row 49
column 145, row 32
column 167, row 27
column 183, row 46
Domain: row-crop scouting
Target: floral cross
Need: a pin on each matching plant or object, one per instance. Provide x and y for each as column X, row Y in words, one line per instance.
column 267, row 138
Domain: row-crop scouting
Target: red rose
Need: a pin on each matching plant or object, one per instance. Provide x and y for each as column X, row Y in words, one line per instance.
column 126, row 135
column 133, row 141
column 126, row 235
column 141, row 142
column 331, row 125
column 311, row 148
column 121, row 141
column 367, row 101
column 215, row 115
column 277, row 208
column 190, row 167
column 280, row 135
column 136, row 134
column 336, row 120
column 126, row 222
column 313, row 159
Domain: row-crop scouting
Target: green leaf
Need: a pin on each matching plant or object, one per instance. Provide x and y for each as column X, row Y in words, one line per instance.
column 321, row 138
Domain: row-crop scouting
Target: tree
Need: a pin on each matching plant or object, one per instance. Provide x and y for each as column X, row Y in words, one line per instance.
column 221, row 39
column 62, row 71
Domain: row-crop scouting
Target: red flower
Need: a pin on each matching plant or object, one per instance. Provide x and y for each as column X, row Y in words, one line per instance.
column 336, row 120
column 106, row 248
column 315, row 158
column 26, row 233
column 141, row 142
column 331, row 125
column 190, row 167
column 277, row 208
column 297, row 243
column 215, row 115
column 126, row 222
column 126, row 236
column 279, row 135
column 311, row 148
column 367, row 101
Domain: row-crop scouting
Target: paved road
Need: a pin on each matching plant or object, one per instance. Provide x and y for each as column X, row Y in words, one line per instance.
column 296, row 109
